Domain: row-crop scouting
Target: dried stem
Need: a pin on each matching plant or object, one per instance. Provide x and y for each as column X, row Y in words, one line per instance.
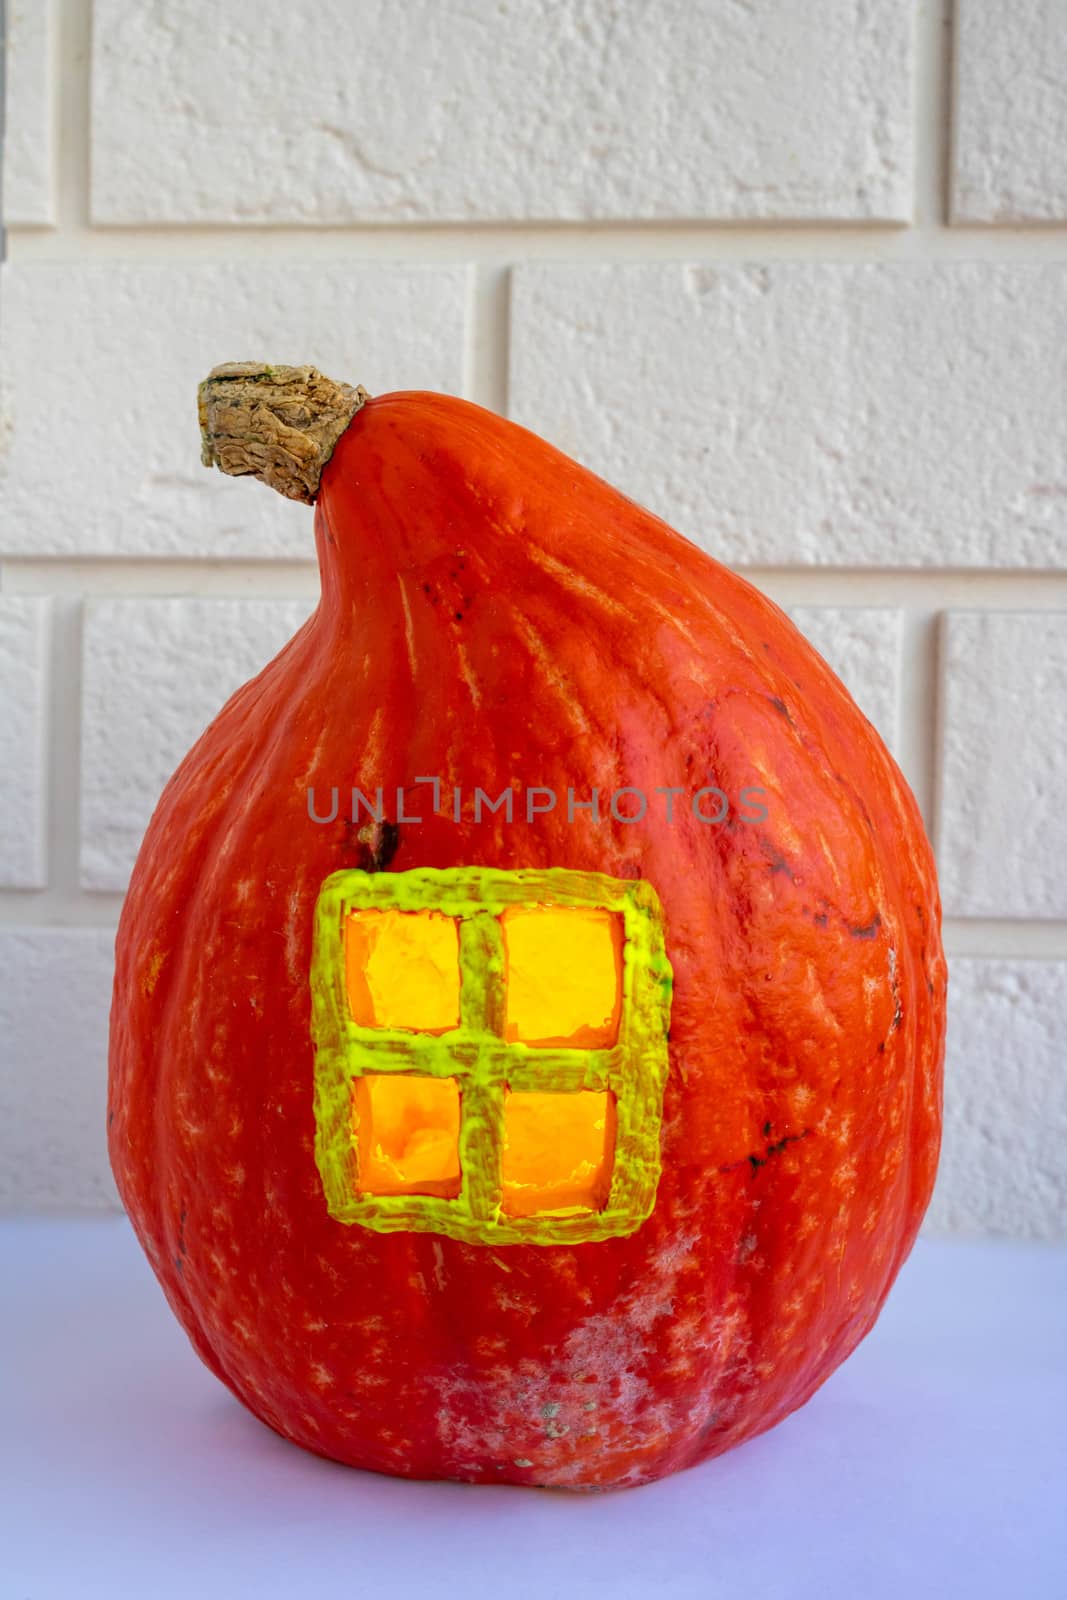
column 280, row 424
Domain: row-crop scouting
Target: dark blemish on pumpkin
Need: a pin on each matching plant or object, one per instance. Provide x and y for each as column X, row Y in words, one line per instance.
column 781, row 707
column 766, row 1130
column 881, row 1048
column 387, row 847
column 370, row 846
column 821, row 919
column 458, row 615
column 776, row 862
column 869, row 930
column 755, row 1160
column 789, row 1138
column 110, row 1118
column 374, row 847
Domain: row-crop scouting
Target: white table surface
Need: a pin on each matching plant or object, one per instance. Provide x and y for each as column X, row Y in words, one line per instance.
column 932, row 1464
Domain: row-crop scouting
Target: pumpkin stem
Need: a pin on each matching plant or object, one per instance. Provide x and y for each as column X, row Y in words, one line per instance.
column 280, row 424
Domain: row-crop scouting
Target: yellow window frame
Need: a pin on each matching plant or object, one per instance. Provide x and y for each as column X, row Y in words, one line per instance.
column 633, row 1069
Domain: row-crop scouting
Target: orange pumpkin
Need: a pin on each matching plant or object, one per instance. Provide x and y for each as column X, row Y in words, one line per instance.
column 570, row 1146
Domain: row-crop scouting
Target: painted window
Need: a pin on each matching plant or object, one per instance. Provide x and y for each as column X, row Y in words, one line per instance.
column 490, row 1052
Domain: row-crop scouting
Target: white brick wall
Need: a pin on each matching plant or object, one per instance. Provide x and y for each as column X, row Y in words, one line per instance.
column 27, row 163
column 54, row 1003
column 1002, row 816
column 1002, row 1167
column 846, row 415
column 689, row 108
column 863, row 647
column 79, row 344
column 1010, row 111
column 22, row 742
column 155, row 674
column 794, row 275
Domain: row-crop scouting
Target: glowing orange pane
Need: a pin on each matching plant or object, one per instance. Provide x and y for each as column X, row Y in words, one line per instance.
column 558, row 1152
column 407, row 1134
column 563, row 975
column 402, row 970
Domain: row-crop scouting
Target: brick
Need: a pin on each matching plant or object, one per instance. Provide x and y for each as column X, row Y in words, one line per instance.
column 1010, row 112
column 460, row 112
column 100, row 366
column 22, row 745
column 27, row 123
column 863, row 647
column 1002, row 1168
column 155, row 674
column 896, row 415
column 53, row 1090
column 1002, row 824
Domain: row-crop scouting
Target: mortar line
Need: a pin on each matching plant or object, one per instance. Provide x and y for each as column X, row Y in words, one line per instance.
column 932, row 89
column 65, row 704
column 917, row 700
column 1005, row 939
column 507, row 244
column 863, row 588
column 72, row 29
column 487, row 337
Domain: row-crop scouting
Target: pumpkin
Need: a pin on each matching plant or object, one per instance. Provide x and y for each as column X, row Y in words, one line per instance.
column 568, row 1138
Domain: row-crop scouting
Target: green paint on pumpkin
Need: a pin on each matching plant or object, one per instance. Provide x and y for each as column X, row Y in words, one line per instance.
column 475, row 1053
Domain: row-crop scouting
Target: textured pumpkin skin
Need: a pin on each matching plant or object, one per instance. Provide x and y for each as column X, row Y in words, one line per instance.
column 492, row 613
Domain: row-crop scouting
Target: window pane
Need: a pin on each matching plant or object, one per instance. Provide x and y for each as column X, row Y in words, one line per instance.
column 558, row 1152
column 407, row 1134
column 563, row 975
column 402, row 970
